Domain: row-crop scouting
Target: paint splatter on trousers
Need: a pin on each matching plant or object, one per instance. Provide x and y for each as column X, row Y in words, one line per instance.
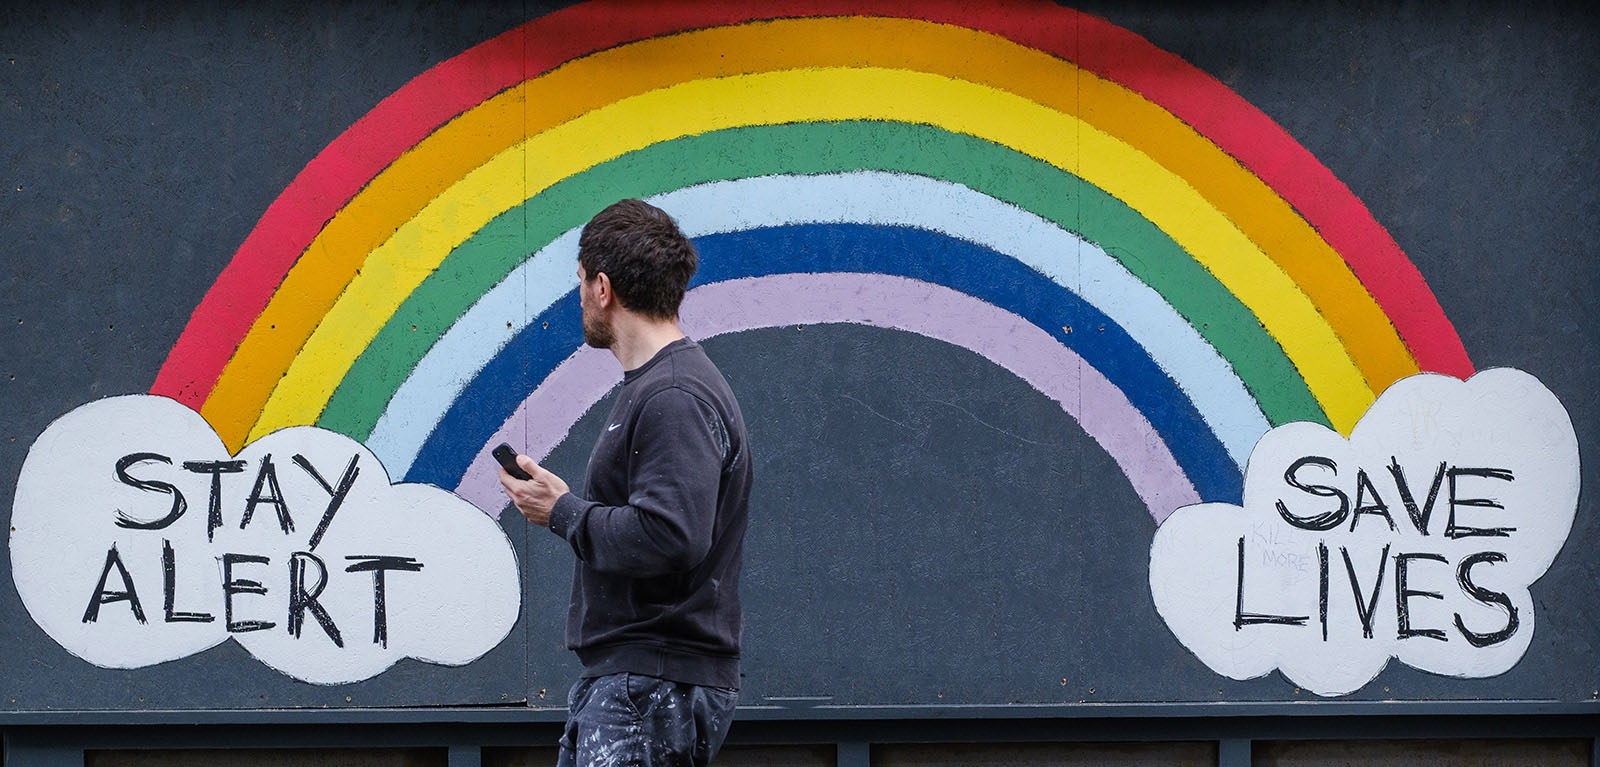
column 632, row 720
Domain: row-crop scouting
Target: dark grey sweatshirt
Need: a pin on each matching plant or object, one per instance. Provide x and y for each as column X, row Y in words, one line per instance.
column 659, row 528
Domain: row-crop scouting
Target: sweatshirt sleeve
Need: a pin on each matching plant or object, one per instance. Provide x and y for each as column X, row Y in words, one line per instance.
column 678, row 446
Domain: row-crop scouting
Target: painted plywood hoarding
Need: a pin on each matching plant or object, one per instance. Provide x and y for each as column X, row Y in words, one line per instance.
column 1076, row 374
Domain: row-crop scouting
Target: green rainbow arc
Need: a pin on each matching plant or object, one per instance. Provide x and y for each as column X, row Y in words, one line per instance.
column 816, row 148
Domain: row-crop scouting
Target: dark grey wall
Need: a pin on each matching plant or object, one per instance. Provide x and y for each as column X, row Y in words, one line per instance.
column 141, row 145
column 889, row 562
column 1468, row 129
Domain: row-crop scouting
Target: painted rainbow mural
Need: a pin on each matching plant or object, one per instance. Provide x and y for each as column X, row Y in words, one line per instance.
column 1038, row 185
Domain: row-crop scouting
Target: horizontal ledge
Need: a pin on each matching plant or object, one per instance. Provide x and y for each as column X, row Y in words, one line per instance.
column 772, row 710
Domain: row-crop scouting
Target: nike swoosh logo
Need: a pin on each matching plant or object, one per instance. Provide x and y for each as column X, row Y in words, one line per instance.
column 613, row 427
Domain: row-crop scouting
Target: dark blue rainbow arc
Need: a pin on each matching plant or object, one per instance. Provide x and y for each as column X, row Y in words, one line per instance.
column 501, row 385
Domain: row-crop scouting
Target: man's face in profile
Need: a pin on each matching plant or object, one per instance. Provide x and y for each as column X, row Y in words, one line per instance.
column 596, row 331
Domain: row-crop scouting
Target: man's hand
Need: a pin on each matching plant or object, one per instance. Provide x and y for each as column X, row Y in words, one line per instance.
column 533, row 497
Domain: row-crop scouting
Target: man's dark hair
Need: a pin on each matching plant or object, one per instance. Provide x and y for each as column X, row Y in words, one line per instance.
column 641, row 249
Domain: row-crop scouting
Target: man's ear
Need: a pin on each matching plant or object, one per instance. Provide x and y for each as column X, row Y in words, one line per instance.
column 602, row 290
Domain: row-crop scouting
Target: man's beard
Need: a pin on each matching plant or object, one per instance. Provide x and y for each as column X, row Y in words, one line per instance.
column 597, row 333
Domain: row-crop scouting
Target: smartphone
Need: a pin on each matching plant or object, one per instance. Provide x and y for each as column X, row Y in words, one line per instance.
column 508, row 461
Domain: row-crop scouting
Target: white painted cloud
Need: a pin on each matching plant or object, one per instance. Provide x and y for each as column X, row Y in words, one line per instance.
column 137, row 539
column 1465, row 490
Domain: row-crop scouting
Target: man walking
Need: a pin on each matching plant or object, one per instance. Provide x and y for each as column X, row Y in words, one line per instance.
column 659, row 527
